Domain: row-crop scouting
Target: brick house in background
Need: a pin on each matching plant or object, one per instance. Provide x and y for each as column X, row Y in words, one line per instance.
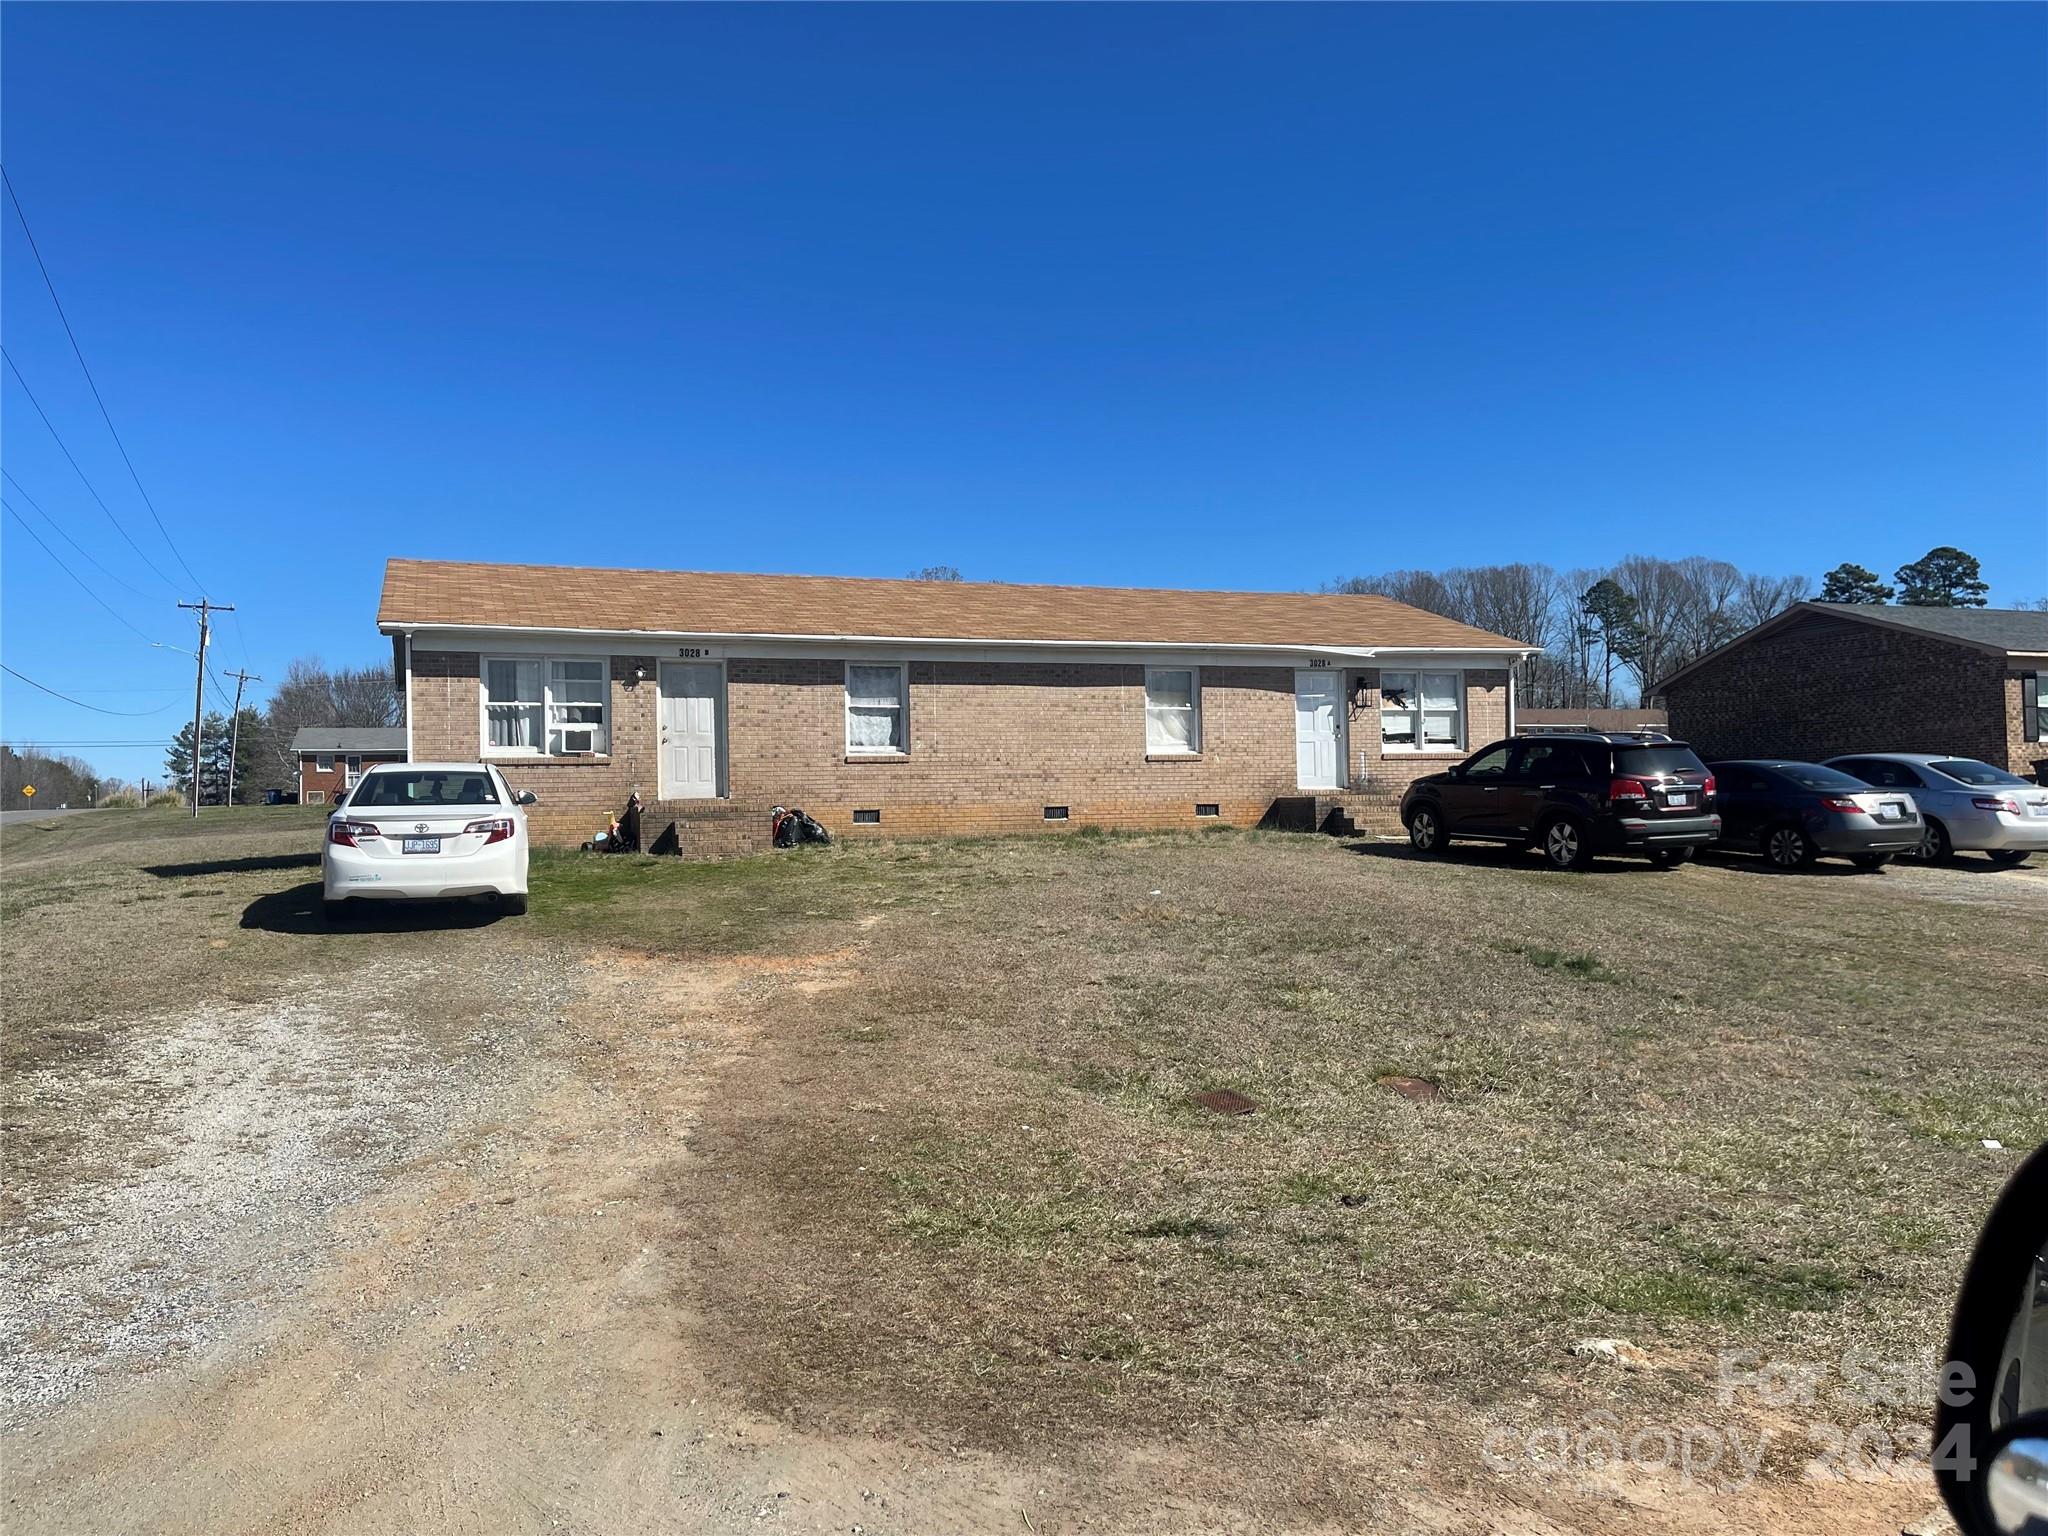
column 919, row 708
column 1827, row 678
column 332, row 758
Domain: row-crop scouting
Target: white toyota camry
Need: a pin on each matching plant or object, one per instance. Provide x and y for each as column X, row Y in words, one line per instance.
column 426, row 832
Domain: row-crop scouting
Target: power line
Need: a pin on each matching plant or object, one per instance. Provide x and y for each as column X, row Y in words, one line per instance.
column 80, row 703
column 92, row 383
column 42, row 743
column 83, row 585
column 32, row 400
column 59, row 529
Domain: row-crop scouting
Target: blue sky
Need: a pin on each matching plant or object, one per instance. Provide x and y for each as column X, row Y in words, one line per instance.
column 1205, row 296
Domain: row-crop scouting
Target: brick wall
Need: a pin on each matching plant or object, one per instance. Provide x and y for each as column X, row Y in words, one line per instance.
column 327, row 785
column 1390, row 773
column 2023, row 735
column 991, row 745
column 1823, row 686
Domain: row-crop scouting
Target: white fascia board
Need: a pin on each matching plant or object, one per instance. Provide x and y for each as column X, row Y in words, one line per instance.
column 502, row 639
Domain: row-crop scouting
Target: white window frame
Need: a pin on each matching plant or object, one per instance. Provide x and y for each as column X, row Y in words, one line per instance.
column 1194, row 746
column 323, row 762
column 547, row 705
column 902, row 708
column 1418, row 747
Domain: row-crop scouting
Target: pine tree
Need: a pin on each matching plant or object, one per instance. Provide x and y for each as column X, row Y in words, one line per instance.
column 1852, row 583
column 1942, row 578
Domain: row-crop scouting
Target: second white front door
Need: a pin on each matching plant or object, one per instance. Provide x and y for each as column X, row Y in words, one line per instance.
column 692, row 713
column 1318, row 729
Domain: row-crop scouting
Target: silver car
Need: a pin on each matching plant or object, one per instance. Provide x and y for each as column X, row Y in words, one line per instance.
column 1964, row 804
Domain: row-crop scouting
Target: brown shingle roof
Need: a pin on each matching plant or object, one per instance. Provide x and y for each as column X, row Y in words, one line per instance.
column 431, row 592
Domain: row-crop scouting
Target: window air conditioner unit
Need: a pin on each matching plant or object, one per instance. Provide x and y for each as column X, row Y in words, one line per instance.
column 579, row 739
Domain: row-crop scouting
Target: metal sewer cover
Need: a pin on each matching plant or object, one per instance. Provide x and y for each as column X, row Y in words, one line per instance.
column 1225, row 1101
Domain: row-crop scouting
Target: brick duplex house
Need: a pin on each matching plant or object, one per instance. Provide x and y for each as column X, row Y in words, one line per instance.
column 912, row 708
column 331, row 758
column 1822, row 679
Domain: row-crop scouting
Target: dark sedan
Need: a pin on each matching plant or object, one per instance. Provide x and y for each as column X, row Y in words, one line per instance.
column 1793, row 813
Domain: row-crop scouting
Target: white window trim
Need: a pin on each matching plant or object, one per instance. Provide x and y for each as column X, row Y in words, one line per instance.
column 483, row 705
column 323, row 762
column 1194, row 746
column 1418, row 748
column 902, row 705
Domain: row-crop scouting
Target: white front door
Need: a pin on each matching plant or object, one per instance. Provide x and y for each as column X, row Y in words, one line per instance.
column 692, row 711
column 1319, row 729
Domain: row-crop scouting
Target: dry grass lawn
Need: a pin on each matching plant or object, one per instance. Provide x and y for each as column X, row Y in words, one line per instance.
column 954, row 1186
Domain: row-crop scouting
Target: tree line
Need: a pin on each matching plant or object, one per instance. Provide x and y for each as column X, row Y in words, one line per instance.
column 311, row 694
column 1610, row 633
column 56, row 778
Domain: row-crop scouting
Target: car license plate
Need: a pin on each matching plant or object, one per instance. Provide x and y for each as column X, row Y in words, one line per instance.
column 1891, row 810
column 1678, row 799
column 420, row 845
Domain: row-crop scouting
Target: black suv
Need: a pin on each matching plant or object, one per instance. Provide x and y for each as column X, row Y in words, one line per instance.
column 1572, row 796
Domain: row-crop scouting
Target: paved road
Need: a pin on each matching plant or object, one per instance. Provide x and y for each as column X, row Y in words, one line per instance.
column 42, row 814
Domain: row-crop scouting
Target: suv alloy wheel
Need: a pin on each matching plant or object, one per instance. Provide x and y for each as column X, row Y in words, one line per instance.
column 1565, row 846
column 1424, row 831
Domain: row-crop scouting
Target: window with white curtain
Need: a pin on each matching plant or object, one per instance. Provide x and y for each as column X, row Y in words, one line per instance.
column 545, row 706
column 1173, row 710
column 1422, row 711
column 877, row 709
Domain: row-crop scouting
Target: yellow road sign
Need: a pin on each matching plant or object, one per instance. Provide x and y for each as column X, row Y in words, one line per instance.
column 29, row 790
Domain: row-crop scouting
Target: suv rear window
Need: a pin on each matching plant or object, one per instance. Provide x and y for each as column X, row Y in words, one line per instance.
column 1656, row 759
column 397, row 788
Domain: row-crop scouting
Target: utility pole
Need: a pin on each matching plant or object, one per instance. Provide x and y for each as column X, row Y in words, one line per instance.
column 242, row 680
column 204, row 607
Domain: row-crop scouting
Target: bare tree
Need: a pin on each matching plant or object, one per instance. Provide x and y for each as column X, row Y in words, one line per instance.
column 1765, row 597
column 312, row 695
column 1676, row 610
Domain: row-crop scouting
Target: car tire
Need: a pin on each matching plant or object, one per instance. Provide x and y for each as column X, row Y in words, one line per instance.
column 1669, row 858
column 1426, row 830
column 512, row 903
column 1789, row 848
column 1870, row 860
column 2007, row 858
column 337, row 912
column 1564, row 844
column 1935, row 846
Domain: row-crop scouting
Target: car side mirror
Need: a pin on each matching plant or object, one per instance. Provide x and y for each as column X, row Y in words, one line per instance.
column 526, row 797
column 1991, row 1410
column 1458, row 772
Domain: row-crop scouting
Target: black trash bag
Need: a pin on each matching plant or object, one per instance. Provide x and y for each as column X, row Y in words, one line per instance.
column 792, row 827
column 628, row 840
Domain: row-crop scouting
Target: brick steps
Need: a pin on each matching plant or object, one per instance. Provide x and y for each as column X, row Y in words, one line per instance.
column 706, row 829
column 1359, row 813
